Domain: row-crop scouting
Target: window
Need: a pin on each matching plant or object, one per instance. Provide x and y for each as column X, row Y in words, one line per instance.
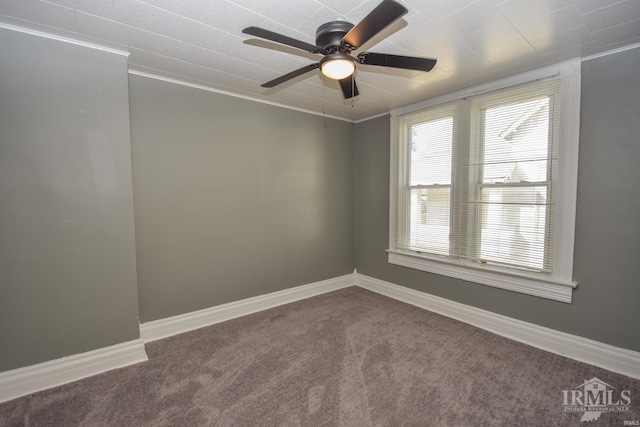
column 483, row 184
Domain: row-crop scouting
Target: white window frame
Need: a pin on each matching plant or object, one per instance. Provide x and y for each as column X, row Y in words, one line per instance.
column 559, row 284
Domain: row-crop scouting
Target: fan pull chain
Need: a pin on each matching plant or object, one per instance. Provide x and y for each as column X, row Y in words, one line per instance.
column 324, row 100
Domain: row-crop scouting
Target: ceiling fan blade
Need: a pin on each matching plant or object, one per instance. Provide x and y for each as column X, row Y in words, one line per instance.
column 379, row 18
column 397, row 61
column 291, row 75
column 349, row 87
column 279, row 38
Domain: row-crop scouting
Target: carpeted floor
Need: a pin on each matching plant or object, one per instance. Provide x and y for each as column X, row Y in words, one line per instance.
column 346, row 358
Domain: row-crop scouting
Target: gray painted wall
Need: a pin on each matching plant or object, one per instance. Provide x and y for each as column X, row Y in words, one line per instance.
column 234, row 198
column 606, row 304
column 67, row 248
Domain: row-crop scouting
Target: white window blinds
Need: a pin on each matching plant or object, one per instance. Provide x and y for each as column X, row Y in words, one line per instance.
column 476, row 179
column 426, row 202
column 514, row 143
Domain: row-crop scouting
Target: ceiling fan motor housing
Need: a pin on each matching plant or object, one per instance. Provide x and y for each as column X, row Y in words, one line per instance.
column 335, row 40
column 329, row 36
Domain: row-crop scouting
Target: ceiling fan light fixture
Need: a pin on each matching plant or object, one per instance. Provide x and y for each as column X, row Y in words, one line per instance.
column 336, row 40
column 338, row 66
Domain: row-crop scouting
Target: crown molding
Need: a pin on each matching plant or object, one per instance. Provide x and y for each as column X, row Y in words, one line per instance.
column 62, row 39
column 228, row 93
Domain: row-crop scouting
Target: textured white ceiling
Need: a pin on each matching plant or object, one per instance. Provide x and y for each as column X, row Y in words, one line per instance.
column 201, row 42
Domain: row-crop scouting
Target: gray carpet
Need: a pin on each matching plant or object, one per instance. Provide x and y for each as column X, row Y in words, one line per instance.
column 346, row 358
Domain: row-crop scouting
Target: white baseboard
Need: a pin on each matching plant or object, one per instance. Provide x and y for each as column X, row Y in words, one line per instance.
column 22, row 381
column 163, row 328
column 623, row 361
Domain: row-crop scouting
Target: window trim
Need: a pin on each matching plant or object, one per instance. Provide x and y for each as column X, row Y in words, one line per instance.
column 559, row 285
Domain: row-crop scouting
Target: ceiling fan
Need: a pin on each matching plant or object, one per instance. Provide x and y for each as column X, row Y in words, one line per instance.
column 337, row 39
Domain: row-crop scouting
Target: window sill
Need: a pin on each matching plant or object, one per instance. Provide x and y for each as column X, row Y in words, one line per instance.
column 549, row 288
